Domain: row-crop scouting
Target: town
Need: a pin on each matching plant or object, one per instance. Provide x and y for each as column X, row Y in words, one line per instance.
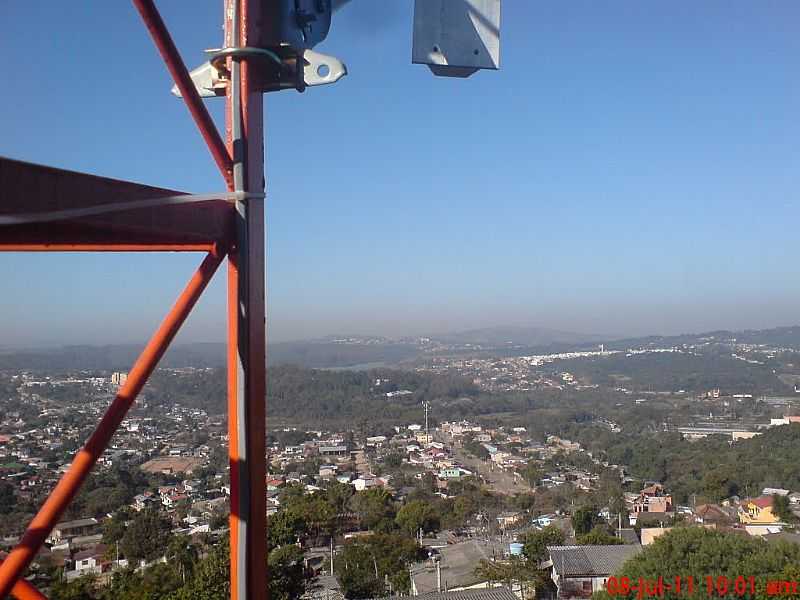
column 464, row 502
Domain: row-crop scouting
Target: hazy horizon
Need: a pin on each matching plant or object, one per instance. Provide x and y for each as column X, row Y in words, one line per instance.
column 183, row 338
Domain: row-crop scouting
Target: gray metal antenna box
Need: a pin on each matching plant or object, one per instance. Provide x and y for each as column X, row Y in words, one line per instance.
column 455, row 38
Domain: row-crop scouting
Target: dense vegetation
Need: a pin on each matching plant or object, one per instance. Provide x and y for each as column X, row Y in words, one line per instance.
column 120, row 357
column 713, row 367
column 304, row 396
column 702, row 553
column 713, row 468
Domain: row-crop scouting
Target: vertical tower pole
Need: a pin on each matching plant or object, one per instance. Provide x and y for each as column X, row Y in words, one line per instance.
column 246, row 312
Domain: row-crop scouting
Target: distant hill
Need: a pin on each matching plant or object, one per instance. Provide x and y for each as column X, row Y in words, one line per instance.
column 109, row 358
column 314, row 354
column 358, row 352
column 787, row 337
column 520, row 336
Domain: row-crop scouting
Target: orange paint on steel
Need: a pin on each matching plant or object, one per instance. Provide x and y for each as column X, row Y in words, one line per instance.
column 24, row 590
column 234, row 460
column 169, row 52
column 107, row 247
column 47, row 517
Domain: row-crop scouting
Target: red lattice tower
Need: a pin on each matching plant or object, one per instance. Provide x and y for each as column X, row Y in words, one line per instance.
column 53, row 210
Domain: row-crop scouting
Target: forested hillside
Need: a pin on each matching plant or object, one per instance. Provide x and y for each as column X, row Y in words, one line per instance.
column 713, row 467
column 306, row 396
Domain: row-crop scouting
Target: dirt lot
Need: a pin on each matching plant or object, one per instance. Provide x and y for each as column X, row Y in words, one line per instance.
column 171, row 464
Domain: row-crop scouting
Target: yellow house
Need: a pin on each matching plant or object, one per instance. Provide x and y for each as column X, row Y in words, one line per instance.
column 757, row 511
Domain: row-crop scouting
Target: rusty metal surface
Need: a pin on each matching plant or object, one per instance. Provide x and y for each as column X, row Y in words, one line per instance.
column 30, row 188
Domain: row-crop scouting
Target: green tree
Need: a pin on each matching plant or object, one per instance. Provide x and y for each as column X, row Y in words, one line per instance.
column 394, row 554
column 114, row 528
column 532, row 474
column 82, row 588
column 357, row 572
column 182, row 555
column 584, row 519
column 535, row 544
column 700, row 552
column 210, row 579
column 338, row 495
column 464, row 508
column 516, row 570
column 375, row 509
column 393, row 460
column 285, row 527
column 598, row 536
column 287, row 577
column 146, row 537
column 7, row 502
column 416, row 515
column 782, row 509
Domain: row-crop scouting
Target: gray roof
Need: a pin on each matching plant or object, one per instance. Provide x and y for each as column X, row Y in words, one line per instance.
column 76, row 523
column 458, row 562
column 498, row 593
column 628, row 536
column 591, row 560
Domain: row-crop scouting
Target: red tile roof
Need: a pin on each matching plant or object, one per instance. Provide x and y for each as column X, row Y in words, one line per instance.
column 762, row 501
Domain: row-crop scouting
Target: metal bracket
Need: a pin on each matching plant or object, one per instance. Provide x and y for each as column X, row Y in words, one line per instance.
column 321, row 69
column 208, row 80
column 212, row 78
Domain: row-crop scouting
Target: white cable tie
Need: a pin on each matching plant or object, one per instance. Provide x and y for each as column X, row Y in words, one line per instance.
column 91, row 211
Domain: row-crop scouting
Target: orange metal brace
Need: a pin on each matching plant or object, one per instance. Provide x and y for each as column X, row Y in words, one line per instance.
column 166, row 47
column 106, row 247
column 24, row 590
column 246, row 323
column 66, row 489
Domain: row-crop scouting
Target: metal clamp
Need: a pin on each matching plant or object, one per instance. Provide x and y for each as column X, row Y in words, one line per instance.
column 293, row 71
column 321, row 69
column 219, row 56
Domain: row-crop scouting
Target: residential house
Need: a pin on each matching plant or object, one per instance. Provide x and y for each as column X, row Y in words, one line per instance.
column 273, row 483
column 70, row 529
column 769, row 491
column 376, row 441
column 651, row 534
column 509, row 519
column 171, row 500
column 364, row 482
column 337, row 450
column 653, row 499
column 452, row 473
column 757, row 511
column 143, row 500
column 713, row 514
column 580, row 571
column 328, row 471
column 89, row 562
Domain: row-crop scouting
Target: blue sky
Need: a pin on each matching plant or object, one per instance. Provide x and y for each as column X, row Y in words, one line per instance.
column 632, row 168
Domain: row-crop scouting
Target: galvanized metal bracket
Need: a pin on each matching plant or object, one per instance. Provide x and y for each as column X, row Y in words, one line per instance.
column 321, row 69
column 293, row 70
